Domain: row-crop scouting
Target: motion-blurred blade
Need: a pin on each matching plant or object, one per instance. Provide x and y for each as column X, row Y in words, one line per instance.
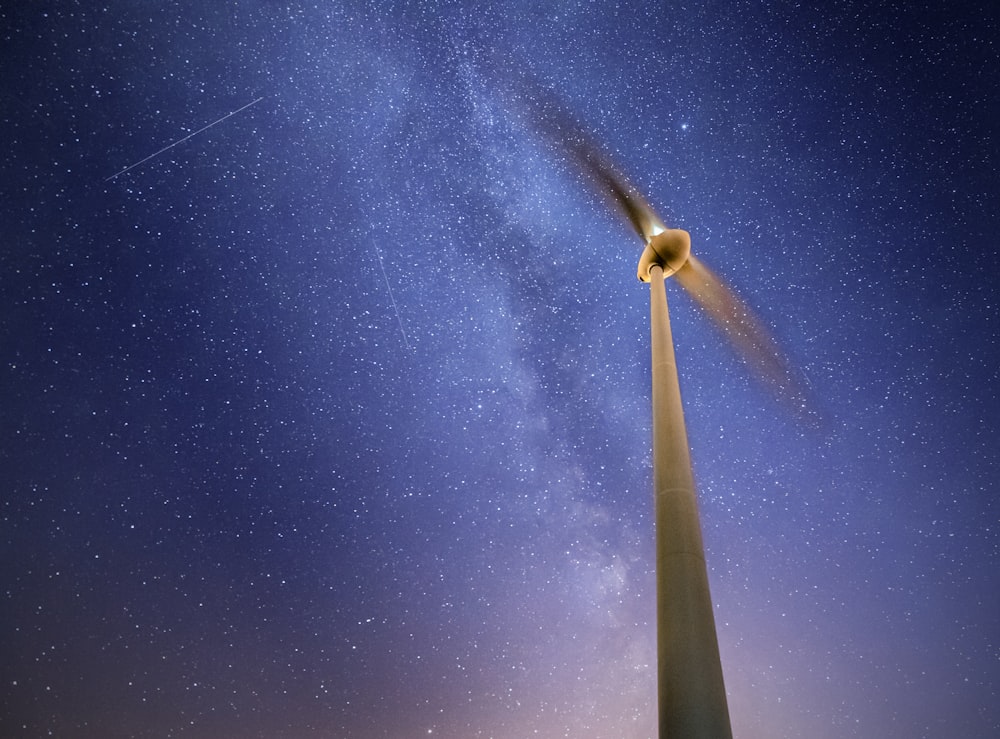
column 613, row 186
column 550, row 118
column 734, row 318
column 743, row 330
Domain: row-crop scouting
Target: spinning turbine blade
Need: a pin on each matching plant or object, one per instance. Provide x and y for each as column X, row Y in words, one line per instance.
column 731, row 315
column 561, row 128
column 616, row 189
column 745, row 332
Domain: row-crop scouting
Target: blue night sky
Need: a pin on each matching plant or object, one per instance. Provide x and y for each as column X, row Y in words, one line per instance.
column 332, row 419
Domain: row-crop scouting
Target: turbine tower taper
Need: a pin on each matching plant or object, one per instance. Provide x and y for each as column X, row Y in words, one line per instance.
column 691, row 691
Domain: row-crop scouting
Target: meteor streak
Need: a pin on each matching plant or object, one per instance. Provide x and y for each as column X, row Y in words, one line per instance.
column 181, row 141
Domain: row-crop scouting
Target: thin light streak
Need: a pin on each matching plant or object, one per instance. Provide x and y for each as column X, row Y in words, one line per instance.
column 181, row 141
column 392, row 299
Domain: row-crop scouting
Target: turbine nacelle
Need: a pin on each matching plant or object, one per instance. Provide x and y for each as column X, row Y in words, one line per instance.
column 670, row 249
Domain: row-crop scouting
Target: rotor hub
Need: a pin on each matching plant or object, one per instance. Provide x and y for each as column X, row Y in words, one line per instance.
column 669, row 249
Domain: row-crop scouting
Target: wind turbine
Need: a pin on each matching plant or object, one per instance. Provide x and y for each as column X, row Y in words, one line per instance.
column 690, row 687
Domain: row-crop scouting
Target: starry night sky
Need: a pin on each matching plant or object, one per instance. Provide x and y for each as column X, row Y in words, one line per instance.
column 332, row 420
